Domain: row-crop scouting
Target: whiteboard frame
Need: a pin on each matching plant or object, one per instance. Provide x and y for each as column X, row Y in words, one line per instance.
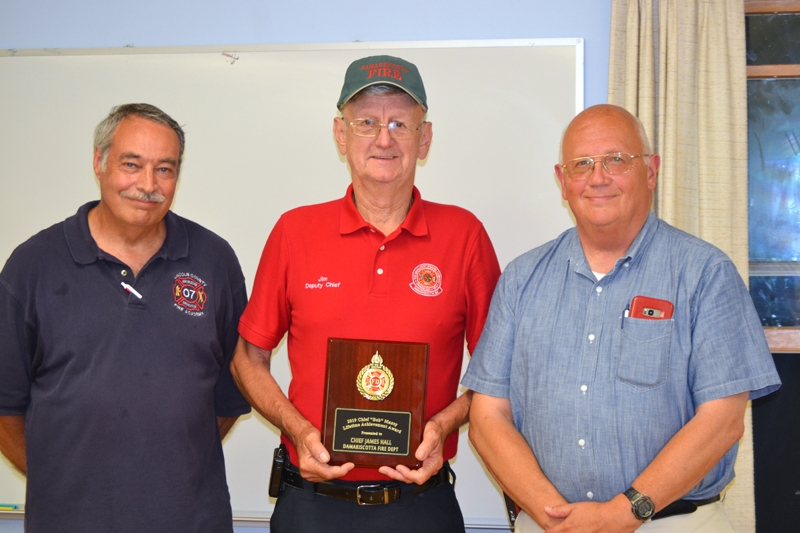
column 578, row 42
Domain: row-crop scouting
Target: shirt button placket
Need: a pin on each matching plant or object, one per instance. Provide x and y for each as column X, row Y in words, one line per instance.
column 381, row 265
column 594, row 321
column 380, row 269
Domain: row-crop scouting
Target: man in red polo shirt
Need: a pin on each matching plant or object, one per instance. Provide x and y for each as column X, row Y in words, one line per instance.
column 380, row 263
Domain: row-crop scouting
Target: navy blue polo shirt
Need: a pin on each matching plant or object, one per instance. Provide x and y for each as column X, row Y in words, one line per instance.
column 121, row 393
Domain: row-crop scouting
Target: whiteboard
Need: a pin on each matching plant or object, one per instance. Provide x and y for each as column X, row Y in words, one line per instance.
column 258, row 122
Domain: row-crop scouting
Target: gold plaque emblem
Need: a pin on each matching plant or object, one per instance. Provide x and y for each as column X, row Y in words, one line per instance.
column 375, row 382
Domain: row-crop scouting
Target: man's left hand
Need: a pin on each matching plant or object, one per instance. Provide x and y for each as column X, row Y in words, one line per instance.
column 429, row 452
column 614, row 516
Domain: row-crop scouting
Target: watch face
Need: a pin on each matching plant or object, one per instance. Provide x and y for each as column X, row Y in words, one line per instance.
column 645, row 508
column 641, row 505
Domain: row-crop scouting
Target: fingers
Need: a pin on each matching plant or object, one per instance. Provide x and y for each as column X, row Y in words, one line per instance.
column 313, row 458
column 432, row 441
column 559, row 511
column 314, row 447
column 402, row 473
column 317, row 472
column 394, row 473
column 429, row 442
column 424, row 473
column 429, row 452
column 406, row 475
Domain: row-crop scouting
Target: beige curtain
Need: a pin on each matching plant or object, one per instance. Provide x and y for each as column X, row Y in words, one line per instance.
column 679, row 65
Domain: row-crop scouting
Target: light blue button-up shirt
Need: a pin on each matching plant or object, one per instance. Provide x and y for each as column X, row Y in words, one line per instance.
column 597, row 395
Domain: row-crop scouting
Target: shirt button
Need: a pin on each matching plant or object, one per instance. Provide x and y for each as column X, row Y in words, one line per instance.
column 380, row 271
column 372, row 230
column 582, row 442
column 382, row 247
column 599, row 289
column 584, row 388
column 124, row 272
column 590, row 495
column 626, row 265
column 591, row 337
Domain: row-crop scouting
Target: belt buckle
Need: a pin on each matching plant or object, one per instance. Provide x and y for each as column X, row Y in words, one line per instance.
column 358, row 494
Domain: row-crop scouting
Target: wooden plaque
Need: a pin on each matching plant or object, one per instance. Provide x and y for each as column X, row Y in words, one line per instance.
column 374, row 410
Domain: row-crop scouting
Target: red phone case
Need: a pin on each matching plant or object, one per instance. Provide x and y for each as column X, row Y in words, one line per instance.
column 650, row 308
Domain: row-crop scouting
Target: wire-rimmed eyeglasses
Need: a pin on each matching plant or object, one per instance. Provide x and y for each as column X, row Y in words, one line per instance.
column 581, row 168
column 367, row 127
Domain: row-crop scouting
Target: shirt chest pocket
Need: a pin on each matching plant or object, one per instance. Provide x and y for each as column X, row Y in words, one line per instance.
column 644, row 353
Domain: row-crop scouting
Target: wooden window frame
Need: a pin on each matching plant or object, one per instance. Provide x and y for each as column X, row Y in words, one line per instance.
column 764, row 7
column 786, row 340
column 773, row 71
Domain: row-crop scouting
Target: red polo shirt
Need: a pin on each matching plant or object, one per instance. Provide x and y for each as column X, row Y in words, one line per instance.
column 325, row 272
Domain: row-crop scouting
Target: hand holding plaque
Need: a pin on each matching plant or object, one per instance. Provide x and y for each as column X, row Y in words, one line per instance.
column 374, row 411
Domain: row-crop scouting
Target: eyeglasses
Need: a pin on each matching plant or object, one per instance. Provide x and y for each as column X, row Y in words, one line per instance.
column 367, row 127
column 581, row 168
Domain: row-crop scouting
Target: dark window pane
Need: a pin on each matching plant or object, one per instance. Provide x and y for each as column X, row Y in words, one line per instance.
column 773, row 39
column 773, row 117
column 777, row 300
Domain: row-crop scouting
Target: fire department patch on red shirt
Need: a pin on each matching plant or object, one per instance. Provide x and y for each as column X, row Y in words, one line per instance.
column 190, row 293
column 426, row 280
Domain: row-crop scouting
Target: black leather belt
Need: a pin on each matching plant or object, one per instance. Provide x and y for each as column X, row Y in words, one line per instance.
column 366, row 493
column 683, row 507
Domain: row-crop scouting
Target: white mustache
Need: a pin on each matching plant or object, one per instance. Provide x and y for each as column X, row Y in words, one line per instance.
column 144, row 196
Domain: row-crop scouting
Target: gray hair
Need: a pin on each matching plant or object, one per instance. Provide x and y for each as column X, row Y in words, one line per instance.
column 381, row 89
column 104, row 132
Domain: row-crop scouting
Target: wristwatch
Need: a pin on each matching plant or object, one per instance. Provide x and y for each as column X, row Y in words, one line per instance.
column 641, row 505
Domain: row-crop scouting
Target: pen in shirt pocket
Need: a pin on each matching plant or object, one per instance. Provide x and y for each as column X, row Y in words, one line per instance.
column 625, row 314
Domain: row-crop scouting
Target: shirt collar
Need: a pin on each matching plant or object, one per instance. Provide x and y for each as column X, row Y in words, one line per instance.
column 85, row 251
column 578, row 259
column 350, row 220
column 643, row 238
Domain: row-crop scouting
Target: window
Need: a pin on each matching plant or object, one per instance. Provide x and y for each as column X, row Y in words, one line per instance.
column 773, row 94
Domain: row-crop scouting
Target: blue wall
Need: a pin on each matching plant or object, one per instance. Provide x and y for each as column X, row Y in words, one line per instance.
column 110, row 23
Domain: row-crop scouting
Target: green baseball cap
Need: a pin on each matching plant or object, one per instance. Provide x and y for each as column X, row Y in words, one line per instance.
column 376, row 70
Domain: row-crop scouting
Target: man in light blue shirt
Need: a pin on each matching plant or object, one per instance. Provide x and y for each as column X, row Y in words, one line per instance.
column 595, row 415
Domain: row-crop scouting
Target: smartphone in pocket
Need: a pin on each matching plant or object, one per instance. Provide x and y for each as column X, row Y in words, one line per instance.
column 650, row 308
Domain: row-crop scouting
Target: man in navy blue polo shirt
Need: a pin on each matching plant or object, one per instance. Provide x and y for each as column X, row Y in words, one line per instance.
column 117, row 329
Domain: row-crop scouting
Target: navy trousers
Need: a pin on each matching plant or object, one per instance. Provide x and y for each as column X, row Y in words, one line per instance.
column 303, row 511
